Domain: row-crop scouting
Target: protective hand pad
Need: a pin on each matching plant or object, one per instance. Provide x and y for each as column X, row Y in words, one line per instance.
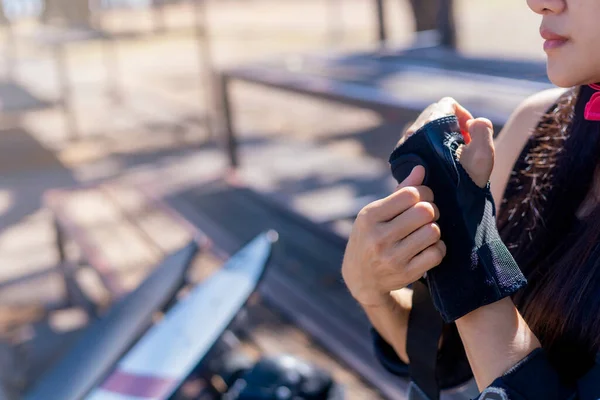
column 478, row 269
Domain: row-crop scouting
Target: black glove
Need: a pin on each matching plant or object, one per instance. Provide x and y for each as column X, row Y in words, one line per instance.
column 478, row 269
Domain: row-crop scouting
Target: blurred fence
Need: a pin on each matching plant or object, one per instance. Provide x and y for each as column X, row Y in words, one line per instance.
column 22, row 8
column 15, row 9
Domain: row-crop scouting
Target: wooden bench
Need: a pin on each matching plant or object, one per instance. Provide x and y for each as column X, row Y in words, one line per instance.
column 303, row 282
column 397, row 84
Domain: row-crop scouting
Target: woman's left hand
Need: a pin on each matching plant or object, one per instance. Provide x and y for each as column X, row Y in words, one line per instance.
column 477, row 157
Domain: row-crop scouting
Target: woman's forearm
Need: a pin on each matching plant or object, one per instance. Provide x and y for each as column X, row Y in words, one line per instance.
column 391, row 320
column 495, row 338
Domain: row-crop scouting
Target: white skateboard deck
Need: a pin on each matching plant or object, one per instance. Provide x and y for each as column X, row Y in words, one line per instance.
column 157, row 365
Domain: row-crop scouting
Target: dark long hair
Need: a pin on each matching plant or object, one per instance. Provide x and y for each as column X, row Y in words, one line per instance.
column 559, row 254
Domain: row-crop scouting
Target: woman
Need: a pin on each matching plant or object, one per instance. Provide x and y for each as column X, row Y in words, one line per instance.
column 541, row 342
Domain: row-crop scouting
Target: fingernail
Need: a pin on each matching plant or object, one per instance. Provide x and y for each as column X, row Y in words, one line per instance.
column 466, row 136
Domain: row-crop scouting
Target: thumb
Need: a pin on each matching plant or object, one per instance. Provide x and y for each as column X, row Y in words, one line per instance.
column 477, row 157
column 482, row 135
column 415, row 178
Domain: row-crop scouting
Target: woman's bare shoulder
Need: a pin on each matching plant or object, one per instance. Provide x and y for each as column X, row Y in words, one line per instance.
column 527, row 115
column 510, row 142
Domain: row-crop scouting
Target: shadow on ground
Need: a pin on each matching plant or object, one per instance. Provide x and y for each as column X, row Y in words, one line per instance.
column 27, row 170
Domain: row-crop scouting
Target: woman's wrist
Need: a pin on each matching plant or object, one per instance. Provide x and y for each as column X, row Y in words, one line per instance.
column 495, row 338
column 376, row 301
column 390, row 319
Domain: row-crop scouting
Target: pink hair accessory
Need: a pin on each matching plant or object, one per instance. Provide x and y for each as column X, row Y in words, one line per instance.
column 592, row 108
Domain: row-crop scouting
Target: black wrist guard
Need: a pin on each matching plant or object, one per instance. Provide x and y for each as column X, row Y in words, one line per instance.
column 478, row 269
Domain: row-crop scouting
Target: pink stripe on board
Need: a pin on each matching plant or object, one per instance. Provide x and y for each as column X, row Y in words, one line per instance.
column 138, row 385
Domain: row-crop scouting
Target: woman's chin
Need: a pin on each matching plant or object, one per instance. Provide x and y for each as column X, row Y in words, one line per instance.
column 565, row 73
column 562, row 75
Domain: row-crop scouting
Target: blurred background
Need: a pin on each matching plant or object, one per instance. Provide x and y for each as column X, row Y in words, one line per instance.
column 127, row 91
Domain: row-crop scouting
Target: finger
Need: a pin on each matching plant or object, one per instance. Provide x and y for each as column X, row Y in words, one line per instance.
column 411, row 220
column 389, row 207
column 419, row 240
column 463, row 115
column 477, row 157
column 398, row 202
column 466, row 136
column 415, row 178
column 449, row 106
column 416, row 267
column 482, row 134
column 427, row 259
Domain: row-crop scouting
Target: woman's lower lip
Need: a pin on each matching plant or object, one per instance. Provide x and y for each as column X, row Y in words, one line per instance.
column 554, row 43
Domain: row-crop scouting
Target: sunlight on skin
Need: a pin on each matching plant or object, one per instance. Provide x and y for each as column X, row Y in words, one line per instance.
column 6, row 201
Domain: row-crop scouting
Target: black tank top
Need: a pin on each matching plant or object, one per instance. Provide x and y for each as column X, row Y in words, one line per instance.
column 570, row 357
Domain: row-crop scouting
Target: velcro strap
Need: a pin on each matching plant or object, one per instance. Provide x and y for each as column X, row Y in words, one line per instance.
column 424, row 331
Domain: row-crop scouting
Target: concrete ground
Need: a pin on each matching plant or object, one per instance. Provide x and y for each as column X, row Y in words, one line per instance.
column 157, row 131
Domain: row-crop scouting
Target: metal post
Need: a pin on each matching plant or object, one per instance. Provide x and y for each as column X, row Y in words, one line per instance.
column 65, row 90
column 446, row 24
column 158, row 11
column 205, row 62
column 60, row 242
column 64, row 267
column 224, row 109
column 381, row 30
column 426, row 14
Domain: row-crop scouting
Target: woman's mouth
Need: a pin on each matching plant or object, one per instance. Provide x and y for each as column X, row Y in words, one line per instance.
column 553, row 40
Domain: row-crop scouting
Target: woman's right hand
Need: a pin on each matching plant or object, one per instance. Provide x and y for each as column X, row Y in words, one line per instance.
column 394, row 242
